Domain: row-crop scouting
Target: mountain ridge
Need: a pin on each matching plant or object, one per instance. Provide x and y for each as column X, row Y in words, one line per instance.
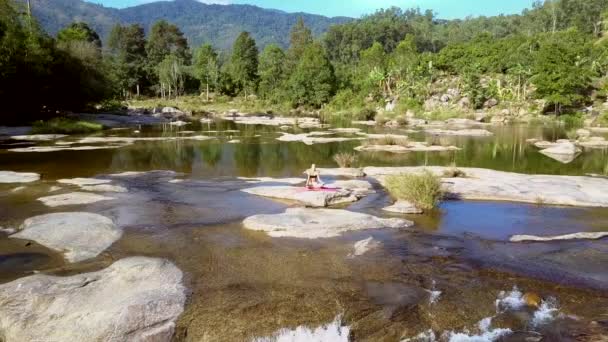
column 201, row 23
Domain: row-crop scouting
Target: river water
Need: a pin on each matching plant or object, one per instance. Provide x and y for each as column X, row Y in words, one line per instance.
column 452, row 277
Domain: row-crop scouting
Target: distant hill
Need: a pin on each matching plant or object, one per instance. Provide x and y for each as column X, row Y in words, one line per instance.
column 217, row 24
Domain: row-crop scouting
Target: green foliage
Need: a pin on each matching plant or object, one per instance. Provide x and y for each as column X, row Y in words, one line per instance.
column 79, row 32
column 272, row 72
column 206, row 66
column 127, row 56
column 166, row 39
column 313, row 82
column 299, row 39
column 572, row 121
column 561, row 75
column 243, row 67
column 423, row 190
column 65, row 126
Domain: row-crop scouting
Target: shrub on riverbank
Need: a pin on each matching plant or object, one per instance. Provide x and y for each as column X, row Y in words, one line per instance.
column 423, row 190
column 345, row 159
column 65, row 126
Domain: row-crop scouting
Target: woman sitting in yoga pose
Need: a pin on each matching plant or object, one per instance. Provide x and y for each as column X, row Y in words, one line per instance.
column 313, row 179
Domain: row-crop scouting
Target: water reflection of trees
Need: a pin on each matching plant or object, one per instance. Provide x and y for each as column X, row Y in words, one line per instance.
column 261, row 154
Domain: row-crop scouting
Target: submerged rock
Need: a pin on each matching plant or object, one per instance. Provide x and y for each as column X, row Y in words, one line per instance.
column 134, row 299
column 18, row 177
column 312, row 198
column 318, row 223
column 72, row 198
column 364, row 246
column 575, row 236
column 311, row 139
column 81, row 235
column 403, row 207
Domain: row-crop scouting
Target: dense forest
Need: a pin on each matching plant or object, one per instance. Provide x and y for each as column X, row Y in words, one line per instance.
column 555, row 54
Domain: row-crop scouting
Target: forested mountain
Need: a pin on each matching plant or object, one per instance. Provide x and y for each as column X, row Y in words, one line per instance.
column 201, row 23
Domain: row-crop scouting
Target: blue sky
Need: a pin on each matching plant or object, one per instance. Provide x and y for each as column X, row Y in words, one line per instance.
column 447, row 9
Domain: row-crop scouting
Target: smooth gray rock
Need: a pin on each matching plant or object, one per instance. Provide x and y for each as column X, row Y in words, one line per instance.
column 134, row 299
column 461, row 132
column 304, row 196
column 318, row 223
column 73, row 198
column 80, row 235
column 38, row 137
column 484, row 184
column 84, row 181
column 574, row 236
column 18, row 177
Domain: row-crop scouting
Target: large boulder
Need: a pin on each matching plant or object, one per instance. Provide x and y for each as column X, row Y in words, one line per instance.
column 18, row 177
column 80, row 235
column 134, row 299
column 564, row 152
column 318, row 223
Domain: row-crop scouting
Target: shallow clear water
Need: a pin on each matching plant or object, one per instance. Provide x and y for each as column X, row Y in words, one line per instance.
column 246, row 285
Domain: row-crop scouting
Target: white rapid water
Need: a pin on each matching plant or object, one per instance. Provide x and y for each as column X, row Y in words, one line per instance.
column 507, row 301
column 332, row 332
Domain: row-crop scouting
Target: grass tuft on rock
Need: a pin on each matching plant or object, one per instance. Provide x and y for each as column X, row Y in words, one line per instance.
column 65, row 126
column 345, row 159
column 423, row 190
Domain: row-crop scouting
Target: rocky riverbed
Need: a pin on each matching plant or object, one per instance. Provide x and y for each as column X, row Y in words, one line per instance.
column 204, row 238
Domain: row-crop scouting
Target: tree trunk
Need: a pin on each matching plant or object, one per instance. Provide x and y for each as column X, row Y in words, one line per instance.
column 137, row 90
column 207, row 91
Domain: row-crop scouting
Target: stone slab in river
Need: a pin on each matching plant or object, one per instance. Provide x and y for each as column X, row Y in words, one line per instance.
column 318, row 223
column 80, row 235
column 18, row 177
column 304, row 196
column 134, row 299
column 575, row 236
column 84, row 181
column 485, row 184
column 73, row 198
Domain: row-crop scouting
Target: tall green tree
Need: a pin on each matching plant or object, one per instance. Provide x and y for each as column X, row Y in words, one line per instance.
column 127, row 50
column 79, row 32
column 171, row 75
column 272, row 71
column 299, row 39
column 166, row 39
column 244, row 63
column 313, row 82
column 206, row 67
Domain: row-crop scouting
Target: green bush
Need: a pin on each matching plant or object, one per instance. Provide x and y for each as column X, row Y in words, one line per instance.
column 366, row 114
column 65, row 126
column 423, row 190
column 570, row 121
column 345, row 159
